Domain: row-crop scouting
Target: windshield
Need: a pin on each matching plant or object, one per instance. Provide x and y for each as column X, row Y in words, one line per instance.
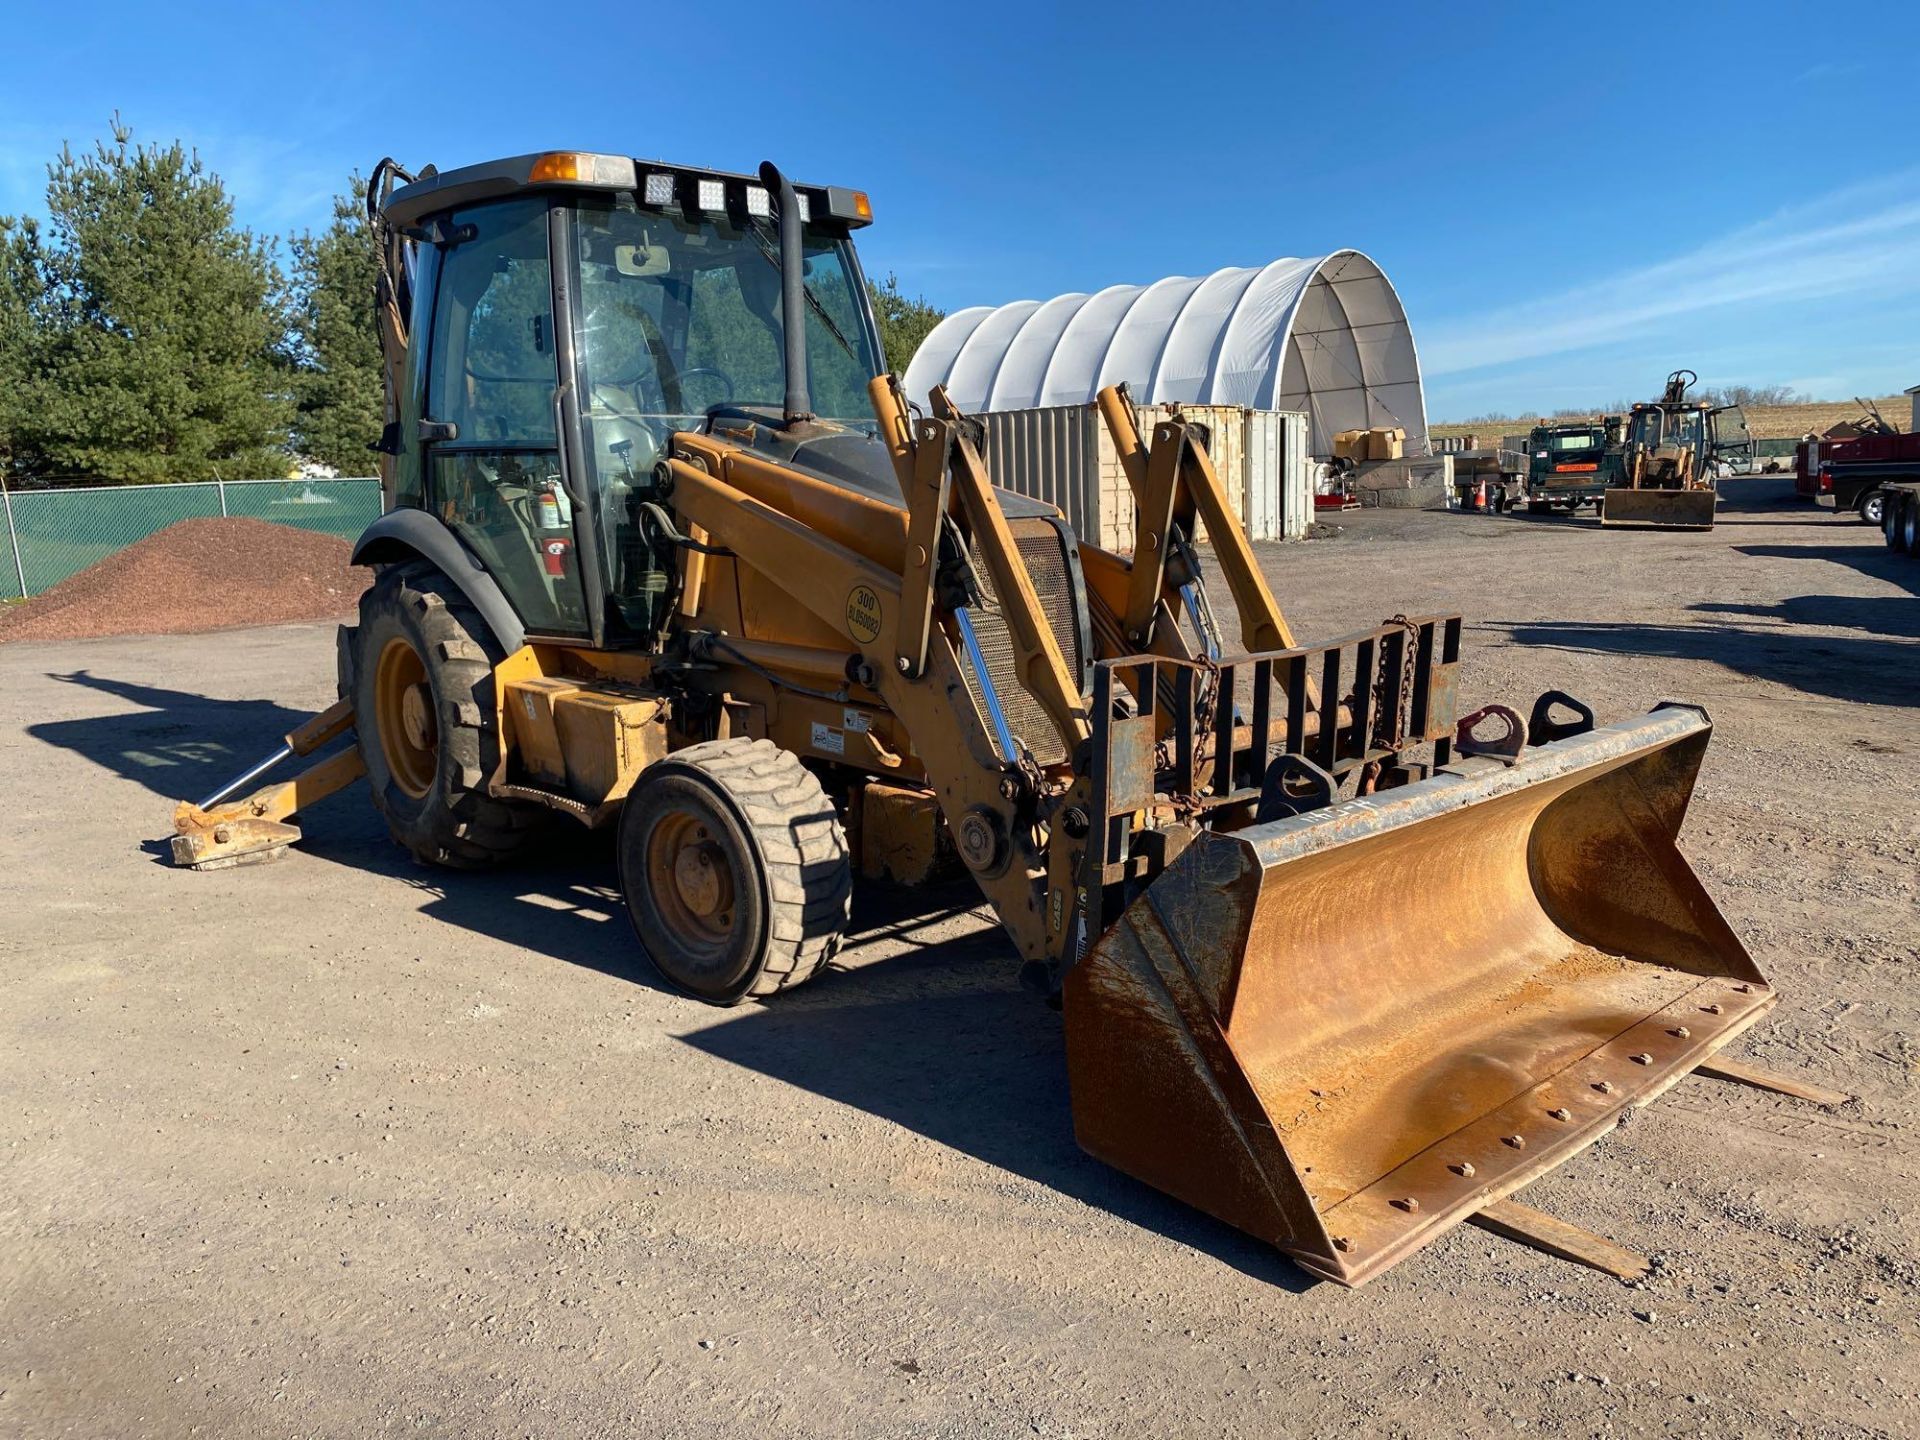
column 1675, row 430
column 675, row 316
column 1583, row 440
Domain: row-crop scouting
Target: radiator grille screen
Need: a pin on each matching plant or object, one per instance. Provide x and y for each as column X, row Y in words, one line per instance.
column 1043, row 550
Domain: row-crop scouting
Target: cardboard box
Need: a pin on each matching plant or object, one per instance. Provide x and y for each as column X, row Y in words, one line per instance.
column 1386, row 442
column 1350, row 445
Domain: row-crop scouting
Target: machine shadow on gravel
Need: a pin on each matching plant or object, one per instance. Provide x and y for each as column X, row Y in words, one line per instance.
column 1892, row 616
column 942, row 1041
column 1867, row 668
column 939, row 1038
column 1875, row 560
column 163, row 746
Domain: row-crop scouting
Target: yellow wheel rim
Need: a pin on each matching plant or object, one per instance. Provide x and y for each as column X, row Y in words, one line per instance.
column 403, row 713
column 692, row 882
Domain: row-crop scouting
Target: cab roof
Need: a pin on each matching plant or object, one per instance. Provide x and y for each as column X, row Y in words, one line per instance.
column 655, row 182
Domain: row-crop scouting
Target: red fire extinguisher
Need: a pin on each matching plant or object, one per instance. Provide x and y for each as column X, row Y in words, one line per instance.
column 554, row 553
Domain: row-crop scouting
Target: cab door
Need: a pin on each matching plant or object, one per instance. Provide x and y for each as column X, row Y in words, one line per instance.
column 490, row 451
column 1732, row 441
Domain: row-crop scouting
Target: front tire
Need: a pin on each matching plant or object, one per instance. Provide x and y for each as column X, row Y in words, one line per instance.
column 735, row 870
column 424, row 718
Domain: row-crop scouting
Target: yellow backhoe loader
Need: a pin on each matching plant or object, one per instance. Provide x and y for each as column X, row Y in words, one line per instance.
column 662, row 554
column 1676, row 449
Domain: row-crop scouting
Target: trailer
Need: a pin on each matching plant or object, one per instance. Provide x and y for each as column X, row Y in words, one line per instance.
column 1900, row 517
column 1491, row 479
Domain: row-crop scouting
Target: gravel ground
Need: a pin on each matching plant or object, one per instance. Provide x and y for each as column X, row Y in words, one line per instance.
column 342, row 1146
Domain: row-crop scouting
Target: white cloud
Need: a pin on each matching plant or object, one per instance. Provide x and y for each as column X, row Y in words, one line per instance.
column 1862, row 240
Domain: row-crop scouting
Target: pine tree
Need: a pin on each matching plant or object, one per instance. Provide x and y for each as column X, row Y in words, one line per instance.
column 903, row 323
column 21, row 291
column 338, row 388
column 162, row 344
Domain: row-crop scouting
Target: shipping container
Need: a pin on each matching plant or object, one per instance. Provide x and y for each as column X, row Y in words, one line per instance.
column 1278, row 502
column 1063, row 455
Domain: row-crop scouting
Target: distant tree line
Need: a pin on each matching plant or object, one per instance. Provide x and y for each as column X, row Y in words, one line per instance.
column 1751, row 395
column 1748, row 397
column 145, row 336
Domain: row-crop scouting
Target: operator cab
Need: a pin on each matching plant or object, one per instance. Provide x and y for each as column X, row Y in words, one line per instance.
column 567, row 313
column 1717, row 436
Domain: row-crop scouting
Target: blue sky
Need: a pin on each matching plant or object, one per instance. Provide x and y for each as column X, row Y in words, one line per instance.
column 1567, row 215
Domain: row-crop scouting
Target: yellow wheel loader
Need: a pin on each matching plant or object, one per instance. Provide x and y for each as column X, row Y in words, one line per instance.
column 1676, row 448
column 665, row 552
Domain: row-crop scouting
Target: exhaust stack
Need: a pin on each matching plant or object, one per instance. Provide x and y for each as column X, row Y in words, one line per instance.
column 793, row 293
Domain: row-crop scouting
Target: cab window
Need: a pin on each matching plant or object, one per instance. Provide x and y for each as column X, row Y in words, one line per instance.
column 495, row 480
column 493, row 356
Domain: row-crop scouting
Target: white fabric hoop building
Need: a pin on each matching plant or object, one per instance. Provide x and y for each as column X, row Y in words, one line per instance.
column 1327, row 336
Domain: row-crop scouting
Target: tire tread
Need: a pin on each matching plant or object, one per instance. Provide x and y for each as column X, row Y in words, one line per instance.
column 802, row 845
column 469, row 829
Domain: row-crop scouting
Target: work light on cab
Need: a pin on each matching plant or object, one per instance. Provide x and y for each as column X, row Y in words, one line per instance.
column 575, row 167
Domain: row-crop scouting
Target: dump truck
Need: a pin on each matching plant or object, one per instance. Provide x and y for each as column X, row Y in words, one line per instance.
column 667, row 554
column 1675, row 452
column 1574, row 464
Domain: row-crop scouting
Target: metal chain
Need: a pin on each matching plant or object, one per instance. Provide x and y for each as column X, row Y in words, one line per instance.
column 1410, row 664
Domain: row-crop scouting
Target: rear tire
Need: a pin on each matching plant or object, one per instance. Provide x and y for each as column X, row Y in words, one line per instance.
column 735, row 870
column 1873, row 507
column 424, row 717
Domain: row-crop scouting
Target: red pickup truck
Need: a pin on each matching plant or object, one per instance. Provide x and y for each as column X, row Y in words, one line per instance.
column 1852, row 474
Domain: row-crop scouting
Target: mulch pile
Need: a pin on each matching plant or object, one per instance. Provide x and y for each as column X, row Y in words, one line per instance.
column 194, row 576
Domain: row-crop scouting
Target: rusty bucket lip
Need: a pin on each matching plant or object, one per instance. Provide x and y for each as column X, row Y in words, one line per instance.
column 1670, row 501
column 1468, row 783
column 1371, row 1230
column 1649, row 1042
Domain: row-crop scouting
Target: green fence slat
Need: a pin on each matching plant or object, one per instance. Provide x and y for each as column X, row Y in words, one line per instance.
column 64, row 531
column 341, row 508
column 61, row 532
column 11, row 581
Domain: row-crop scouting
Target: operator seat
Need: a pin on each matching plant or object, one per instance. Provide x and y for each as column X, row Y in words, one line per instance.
column 626, row 446
column 632, row 385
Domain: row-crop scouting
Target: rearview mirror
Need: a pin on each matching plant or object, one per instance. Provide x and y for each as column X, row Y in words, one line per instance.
column 642, row 260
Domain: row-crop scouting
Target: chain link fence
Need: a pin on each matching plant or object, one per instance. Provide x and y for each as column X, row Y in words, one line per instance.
column 51, row 534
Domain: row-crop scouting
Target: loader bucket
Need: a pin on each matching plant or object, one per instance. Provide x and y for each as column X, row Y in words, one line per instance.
column 1348, row 1031
column 1657, row 509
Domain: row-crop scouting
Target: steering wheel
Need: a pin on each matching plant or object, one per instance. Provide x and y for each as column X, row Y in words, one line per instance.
column 666, row 380
column 713, row 371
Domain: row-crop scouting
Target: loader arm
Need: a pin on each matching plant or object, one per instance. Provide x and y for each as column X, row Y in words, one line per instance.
column 991, row 805
column 1171, row 483
column 1040, row 665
